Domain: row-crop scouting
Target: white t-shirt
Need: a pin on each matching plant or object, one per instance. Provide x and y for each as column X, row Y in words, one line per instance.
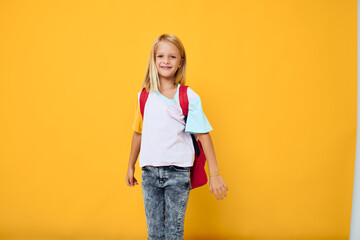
column 165, row 139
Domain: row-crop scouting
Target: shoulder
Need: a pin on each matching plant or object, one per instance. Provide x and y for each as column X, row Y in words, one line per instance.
column 192, row 95
column 139, row 94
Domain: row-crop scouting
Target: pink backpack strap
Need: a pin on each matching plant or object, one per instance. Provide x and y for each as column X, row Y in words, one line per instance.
column 143, row 97
column 183, row 98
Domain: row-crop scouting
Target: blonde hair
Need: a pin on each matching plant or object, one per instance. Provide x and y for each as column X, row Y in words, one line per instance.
column 151, row 81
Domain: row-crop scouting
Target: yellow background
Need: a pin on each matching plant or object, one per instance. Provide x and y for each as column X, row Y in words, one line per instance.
column 277, row 81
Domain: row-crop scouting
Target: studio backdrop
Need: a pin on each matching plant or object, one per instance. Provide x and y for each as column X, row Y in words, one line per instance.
column 277, row 81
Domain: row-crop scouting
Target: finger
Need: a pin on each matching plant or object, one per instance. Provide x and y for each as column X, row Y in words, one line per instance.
column 220, row 194
column 223, row 190
column 216, row 194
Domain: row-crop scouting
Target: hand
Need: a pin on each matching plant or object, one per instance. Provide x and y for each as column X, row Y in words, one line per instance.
column 130, row 180
column 218, row 187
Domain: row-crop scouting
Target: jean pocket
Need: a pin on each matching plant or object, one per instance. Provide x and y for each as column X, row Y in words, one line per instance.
column 145, row 169
column 180, row 169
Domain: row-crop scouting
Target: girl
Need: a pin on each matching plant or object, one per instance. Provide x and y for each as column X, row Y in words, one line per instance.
column 164, row 142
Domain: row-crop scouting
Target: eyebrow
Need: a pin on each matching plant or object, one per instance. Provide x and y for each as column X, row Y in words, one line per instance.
column 162, row 53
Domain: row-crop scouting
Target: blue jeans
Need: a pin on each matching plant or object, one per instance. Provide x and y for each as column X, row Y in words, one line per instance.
column 166, row 192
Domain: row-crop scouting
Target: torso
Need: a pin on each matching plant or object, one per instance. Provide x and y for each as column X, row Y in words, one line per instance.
column 164, row 141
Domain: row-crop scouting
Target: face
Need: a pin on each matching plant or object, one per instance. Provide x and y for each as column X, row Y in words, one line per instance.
column 167, row 60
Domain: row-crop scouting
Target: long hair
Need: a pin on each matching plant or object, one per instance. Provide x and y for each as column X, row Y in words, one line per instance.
column 152, row 81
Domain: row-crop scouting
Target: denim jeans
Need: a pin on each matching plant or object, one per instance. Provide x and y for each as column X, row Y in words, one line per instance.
column 166, row 192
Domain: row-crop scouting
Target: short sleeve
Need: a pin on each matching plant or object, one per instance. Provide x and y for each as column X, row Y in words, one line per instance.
column 138, row 122
column 196, row 120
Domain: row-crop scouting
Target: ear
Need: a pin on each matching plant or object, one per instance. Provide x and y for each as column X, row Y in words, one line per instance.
column 181, row 62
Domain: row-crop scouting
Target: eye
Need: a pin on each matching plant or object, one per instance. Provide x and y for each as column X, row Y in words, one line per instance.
column 173, row 56
column 159, row 55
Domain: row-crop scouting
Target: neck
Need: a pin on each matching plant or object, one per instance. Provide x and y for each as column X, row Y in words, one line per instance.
column 166, row 84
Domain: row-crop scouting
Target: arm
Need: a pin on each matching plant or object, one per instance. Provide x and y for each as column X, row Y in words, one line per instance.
column 216, row 183
column 135, row 149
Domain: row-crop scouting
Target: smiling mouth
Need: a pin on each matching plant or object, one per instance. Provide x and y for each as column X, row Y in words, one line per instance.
column 165, row 67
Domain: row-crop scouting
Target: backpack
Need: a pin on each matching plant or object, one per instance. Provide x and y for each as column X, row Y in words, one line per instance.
column 198, row 175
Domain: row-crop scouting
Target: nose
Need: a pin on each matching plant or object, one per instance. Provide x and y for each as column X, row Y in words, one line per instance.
column 166, row 60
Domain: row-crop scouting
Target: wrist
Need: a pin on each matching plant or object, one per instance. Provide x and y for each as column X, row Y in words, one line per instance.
column 215, row 174
column 214, row 171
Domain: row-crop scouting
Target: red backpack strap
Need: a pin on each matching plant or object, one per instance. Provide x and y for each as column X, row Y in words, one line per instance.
column 183, row 98
column 143, row 97
column 184, row 103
